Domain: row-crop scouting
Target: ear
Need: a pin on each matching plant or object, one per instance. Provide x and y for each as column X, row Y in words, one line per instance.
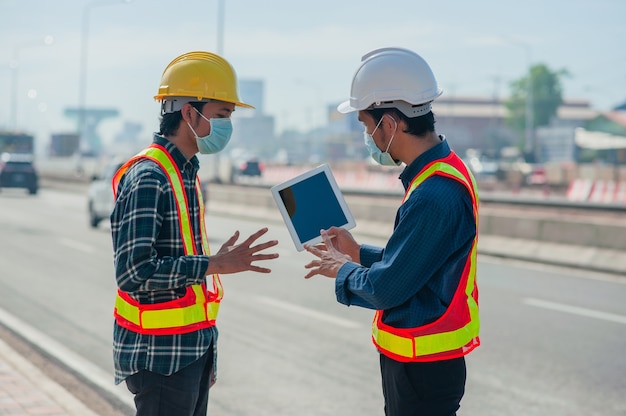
column 390, row 121
column 186, row 112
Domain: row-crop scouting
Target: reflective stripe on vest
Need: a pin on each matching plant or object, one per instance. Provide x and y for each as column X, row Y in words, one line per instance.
column 455, row 333
column 198, row 308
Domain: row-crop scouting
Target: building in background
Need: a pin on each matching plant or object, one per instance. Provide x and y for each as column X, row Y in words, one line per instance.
column 479, row 123
column 63, row 144
column 253, row 130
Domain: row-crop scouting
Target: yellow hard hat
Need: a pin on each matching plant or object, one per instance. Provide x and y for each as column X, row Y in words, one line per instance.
column 197, row 76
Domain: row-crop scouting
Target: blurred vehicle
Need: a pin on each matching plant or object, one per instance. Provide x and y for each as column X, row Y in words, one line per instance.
column 481, row 166
column 250, row 167
column 17, row 171
column 244, row 168
column 16, row 142
column 537, row 175
column 100, row 193
column 100, row 200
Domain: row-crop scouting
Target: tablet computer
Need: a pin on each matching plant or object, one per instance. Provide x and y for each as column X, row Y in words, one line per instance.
column 311, row 202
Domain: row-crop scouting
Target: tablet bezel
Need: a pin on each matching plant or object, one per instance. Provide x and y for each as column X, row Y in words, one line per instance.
column 325, row 169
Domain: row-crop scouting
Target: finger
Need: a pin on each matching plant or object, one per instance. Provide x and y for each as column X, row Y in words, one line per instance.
column 313, row 250
column 265, row 256
column 310, row 274
column 312, row 264
column 255, row 236
column 232, row 239
column 260, row 269
column 263, row 246
column 321, row 247
column 327, row 240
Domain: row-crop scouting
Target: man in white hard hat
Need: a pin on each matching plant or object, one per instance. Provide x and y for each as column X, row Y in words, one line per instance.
column 169, row 289
column 422, row 284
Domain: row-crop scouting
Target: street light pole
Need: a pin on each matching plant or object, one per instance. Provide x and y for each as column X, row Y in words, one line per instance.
column 529, row 144
column 220, row 27
column 529, row 116
column 84, row 49
column 15, row 65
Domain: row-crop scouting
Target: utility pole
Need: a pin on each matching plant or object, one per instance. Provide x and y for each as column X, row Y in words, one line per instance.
column 220, row 27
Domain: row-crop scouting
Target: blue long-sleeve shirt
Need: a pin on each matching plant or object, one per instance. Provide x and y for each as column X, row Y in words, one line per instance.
column 414, row 277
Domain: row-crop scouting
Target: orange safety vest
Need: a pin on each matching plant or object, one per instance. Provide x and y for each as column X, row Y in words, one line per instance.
column 455, row 333
column 198, row 308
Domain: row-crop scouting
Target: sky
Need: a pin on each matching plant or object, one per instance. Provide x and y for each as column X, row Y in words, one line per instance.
column 305, row 52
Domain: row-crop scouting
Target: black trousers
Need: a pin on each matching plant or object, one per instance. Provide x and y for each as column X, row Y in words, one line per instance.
column 184, row 393
column 422, row 389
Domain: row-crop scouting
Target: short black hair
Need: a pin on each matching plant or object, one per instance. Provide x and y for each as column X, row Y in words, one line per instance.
column 417, row 126
column 170, row 121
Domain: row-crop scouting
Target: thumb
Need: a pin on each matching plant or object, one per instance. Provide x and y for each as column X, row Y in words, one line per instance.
column 233, row 238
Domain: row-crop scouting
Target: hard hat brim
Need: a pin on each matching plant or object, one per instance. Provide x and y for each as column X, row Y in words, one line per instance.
column 173, row 104
column 345, row 108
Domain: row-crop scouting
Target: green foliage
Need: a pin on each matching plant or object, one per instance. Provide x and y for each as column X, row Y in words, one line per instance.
column 546, row 94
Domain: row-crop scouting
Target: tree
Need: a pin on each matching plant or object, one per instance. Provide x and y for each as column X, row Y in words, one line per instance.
column 546, row 94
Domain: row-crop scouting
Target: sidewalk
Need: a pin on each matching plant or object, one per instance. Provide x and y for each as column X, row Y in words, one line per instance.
column 25, row 390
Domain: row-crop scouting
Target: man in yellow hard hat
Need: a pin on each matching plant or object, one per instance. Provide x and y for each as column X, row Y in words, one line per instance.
column 169, row 289
column 422, row 284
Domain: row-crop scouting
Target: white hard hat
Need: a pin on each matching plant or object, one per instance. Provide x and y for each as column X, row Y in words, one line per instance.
column 392, row 78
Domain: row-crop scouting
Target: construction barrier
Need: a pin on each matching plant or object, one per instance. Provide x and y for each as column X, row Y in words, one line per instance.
column 597, row 191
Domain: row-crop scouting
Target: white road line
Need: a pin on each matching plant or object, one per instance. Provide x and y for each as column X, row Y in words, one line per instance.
column 575, row 310
column 291, row 307
column 77, row 245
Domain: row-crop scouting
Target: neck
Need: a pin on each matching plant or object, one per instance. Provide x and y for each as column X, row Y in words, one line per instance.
column 186, row 143
column 416, row 146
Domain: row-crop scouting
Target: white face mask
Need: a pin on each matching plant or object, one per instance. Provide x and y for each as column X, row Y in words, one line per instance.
column 382, row 158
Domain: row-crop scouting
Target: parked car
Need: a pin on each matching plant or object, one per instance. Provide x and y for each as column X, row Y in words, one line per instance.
column 250, row 167
column 100, row 194
column 18, row 171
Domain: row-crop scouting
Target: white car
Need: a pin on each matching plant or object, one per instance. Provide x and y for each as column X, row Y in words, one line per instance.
column 100, row 194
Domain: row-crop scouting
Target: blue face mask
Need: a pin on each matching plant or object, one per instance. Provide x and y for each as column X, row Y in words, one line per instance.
column 216, row 141
column 382, row 158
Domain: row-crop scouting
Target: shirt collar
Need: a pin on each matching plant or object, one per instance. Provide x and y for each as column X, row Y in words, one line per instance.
column 439, row 151
column 180, row 159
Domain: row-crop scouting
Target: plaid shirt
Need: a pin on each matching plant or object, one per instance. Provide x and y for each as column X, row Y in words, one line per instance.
column 151, row 265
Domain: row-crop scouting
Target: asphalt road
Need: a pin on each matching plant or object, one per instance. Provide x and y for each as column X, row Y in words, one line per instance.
column 552, row 338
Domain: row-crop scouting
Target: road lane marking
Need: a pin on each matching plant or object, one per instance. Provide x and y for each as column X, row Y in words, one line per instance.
column 575, row 310
column 291, row 307
column 77, row 245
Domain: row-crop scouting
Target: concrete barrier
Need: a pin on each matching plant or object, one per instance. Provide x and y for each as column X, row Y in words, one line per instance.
column 609, row 233
column 591, row 232
column 586, row 232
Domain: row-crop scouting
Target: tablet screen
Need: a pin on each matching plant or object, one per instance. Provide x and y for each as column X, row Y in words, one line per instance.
column 311, row 202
